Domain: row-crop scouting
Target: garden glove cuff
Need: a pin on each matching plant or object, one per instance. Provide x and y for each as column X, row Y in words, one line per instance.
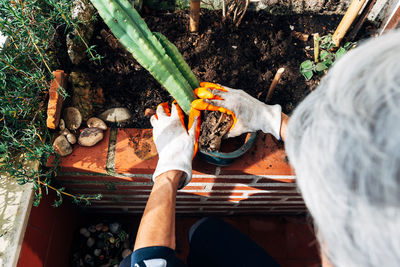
column 174, row 144
column 249, row 114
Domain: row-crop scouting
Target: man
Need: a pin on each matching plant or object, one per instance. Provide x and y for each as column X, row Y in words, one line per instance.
column 343, row 141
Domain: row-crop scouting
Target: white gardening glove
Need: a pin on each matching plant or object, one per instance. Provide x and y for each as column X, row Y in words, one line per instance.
column 251, row 114
column 174, row 144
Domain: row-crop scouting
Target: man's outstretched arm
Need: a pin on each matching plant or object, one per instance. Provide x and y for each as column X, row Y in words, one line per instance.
column 157, row 227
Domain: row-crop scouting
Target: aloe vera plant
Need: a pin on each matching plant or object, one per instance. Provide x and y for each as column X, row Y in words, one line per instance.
column 152, row 50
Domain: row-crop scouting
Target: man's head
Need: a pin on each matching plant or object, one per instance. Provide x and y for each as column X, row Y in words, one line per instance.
column 344, row 143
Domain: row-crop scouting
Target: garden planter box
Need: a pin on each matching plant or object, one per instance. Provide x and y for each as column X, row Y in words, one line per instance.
column 121, row 165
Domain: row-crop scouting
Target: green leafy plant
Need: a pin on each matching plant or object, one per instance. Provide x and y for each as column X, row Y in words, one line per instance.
column 152, row 50
column 325, row 55
column 26, row 65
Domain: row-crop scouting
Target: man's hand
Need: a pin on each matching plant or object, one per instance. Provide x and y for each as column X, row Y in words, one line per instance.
column 174, row 144
column 251, row 114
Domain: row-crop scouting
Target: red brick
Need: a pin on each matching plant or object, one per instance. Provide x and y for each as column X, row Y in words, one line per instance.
column 221, row 180
column 295, row 199
column 266, row 157
column 135, row 151
column 86, row 159
column 270, row 205
column 55, row 99
column 109, row 192
column 134, row 187
column 211, row 193
column 277, row 180
column 83, row 177
column 224, row 199
column 240, row 187
column 274, row 194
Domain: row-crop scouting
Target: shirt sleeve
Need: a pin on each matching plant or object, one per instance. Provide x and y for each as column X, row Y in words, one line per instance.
column 156, row 256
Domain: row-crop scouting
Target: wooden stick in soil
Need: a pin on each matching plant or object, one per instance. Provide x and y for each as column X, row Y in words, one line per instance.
column 347, row 20
column 194, row 15
column 275, row 81
column 364, row 14
column 316, row 47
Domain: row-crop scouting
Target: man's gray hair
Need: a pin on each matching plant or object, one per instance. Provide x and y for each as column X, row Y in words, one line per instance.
column 344, row 143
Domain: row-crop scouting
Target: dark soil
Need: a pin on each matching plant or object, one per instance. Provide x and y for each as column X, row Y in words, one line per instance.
column 215, row 125
column 246, row 57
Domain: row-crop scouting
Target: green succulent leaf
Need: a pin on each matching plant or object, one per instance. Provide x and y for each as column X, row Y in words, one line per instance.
column 324, row 54
column 307, row 65
column 341, row 51
column 165, row 64
column 321, row 66
column 307, row 74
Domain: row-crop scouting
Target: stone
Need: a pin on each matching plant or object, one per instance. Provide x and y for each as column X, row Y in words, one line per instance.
column 92, row 228
column 96, row 123
column 97, row 252
column 61, row 125
column 149, row 112
column 115, row 227
column 84, row 232
column 90, row 137
column 65, row 132
column 72, row 118
column 89, row 259
column 82, row 13
column 300, row 36
column 99, row 226
column 90, row 242
column 105, row 228
column 116, row 115
column 62, row 146
column 71, row 138
column 126, row 253
column 82, row 94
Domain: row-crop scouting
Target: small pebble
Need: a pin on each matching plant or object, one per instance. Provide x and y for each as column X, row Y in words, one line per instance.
column 62, row 146
column 71, row 138
column 90, row 242
column 149, row 112
column 116, row 115
column 65, row 132
column 105, row 228
column 62, row 125
column 97, row 252
column 90, row 136
column 96, row 123
column 84, row 232
column 92, row 229
column 72, row 118
column 99, row 227
column 115, row 227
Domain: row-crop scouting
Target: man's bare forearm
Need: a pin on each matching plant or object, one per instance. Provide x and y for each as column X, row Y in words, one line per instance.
column 157, row 227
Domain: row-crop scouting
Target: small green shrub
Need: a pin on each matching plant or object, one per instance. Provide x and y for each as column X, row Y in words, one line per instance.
column 26, row 65
column 326, row 57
